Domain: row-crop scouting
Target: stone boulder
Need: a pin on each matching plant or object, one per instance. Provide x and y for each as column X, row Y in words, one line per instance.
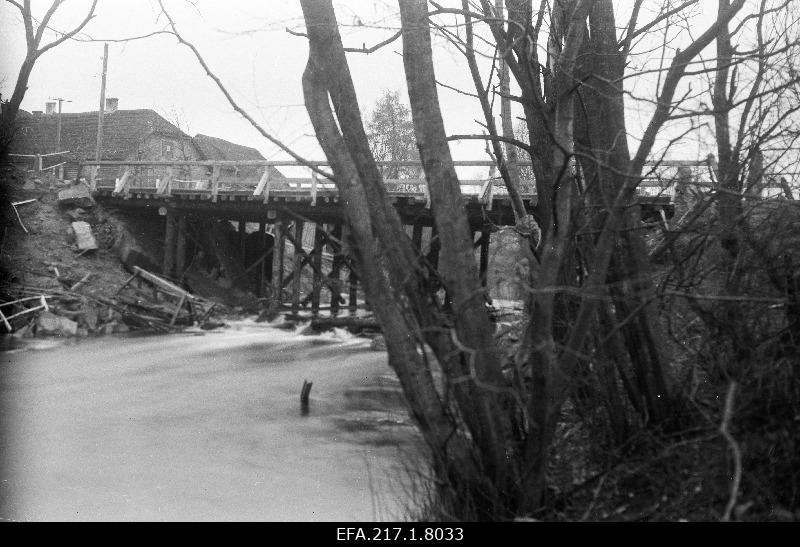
column 77, row 195
column 50, row 324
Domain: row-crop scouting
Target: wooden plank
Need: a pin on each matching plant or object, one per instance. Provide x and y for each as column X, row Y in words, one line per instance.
column 215, row 183
column 122, row 183
column 163, row 285
column 263, row 185
column 163, row 185
column 313, row 189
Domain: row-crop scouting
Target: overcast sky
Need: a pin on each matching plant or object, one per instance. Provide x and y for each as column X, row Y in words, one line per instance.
column 247, row 45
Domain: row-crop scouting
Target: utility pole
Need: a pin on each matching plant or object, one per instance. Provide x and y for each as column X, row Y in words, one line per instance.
column 58, row 131
column 97, row 153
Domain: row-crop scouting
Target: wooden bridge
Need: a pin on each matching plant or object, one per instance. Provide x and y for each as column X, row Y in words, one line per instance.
column 306, row 213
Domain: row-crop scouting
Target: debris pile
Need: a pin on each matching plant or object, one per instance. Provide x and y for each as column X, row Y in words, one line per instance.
column 61, row 274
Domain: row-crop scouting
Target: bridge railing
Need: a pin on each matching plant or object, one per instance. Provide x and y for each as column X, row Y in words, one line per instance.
column 216, row 178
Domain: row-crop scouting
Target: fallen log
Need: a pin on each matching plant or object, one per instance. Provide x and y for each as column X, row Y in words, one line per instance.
column 353, row 324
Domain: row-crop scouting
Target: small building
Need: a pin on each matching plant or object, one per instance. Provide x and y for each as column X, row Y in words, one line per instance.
column 140, row 135
column 214, row 148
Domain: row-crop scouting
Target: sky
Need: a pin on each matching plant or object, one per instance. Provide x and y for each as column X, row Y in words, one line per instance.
column 247, row 45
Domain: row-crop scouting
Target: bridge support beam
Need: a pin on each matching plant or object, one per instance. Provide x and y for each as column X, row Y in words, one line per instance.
column 278, row 252
column 298, row 265
column 336, row 269
column 180, row 248
column 266, row 264
column 483, row 242
column 169, row 244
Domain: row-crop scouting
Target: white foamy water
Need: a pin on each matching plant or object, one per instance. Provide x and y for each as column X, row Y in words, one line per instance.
column 202, row 426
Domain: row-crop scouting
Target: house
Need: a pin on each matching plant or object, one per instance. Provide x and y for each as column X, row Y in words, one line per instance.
column 213, row 148
column 140, row 134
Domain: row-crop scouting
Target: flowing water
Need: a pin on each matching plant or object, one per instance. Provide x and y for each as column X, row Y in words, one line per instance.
column 203, row 426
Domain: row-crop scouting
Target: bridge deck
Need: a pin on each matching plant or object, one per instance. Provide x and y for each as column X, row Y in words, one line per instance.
column 203, row 187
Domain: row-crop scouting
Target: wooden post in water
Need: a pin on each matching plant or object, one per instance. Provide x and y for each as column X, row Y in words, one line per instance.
column 180, row 258
column 305, row 391
column 298, row 265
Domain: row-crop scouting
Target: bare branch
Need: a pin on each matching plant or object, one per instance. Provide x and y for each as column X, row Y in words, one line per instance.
column 233, row 102
column 377, row 46
column 70, row 34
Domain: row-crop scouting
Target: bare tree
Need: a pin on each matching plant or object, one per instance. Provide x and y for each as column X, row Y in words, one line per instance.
column 34, row 35
column 592, row 319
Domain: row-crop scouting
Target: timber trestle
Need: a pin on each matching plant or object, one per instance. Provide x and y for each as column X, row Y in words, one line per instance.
column 291, row 234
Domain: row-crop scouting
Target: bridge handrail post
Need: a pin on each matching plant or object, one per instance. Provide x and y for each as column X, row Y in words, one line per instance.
column 215, row 183
column 313, row 188
column 263, row 185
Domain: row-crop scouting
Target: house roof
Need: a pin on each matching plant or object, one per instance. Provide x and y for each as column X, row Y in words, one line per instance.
column 214, row 148
column 123, row 133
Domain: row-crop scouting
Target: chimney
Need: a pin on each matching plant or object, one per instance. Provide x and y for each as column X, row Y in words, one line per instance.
column 50, row 107
column 112, row 103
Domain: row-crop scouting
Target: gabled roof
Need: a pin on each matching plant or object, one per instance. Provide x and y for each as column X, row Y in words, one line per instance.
column 123, row 133
column 214, row 148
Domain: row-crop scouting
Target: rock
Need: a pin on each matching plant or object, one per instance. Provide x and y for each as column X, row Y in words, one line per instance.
column 29, row 185
column 22, row 332
column 84, row 236
column 269, row 315
column 76, row 214
column 76, row 195
column 49, row 323
column 378, row 343
column 90, row 316
column 115, row 327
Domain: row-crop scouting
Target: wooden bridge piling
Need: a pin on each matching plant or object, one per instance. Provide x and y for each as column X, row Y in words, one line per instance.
column 266, row 264
column 298, row 265
column 279, row 239
column 319, row 244
column 180, row 248
column 336, row 267
column 169, row 244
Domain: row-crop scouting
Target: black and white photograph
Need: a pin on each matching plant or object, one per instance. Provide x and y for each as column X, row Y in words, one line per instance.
column 408, row 270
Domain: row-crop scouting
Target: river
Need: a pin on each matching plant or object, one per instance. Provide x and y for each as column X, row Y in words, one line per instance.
column 203, row 426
